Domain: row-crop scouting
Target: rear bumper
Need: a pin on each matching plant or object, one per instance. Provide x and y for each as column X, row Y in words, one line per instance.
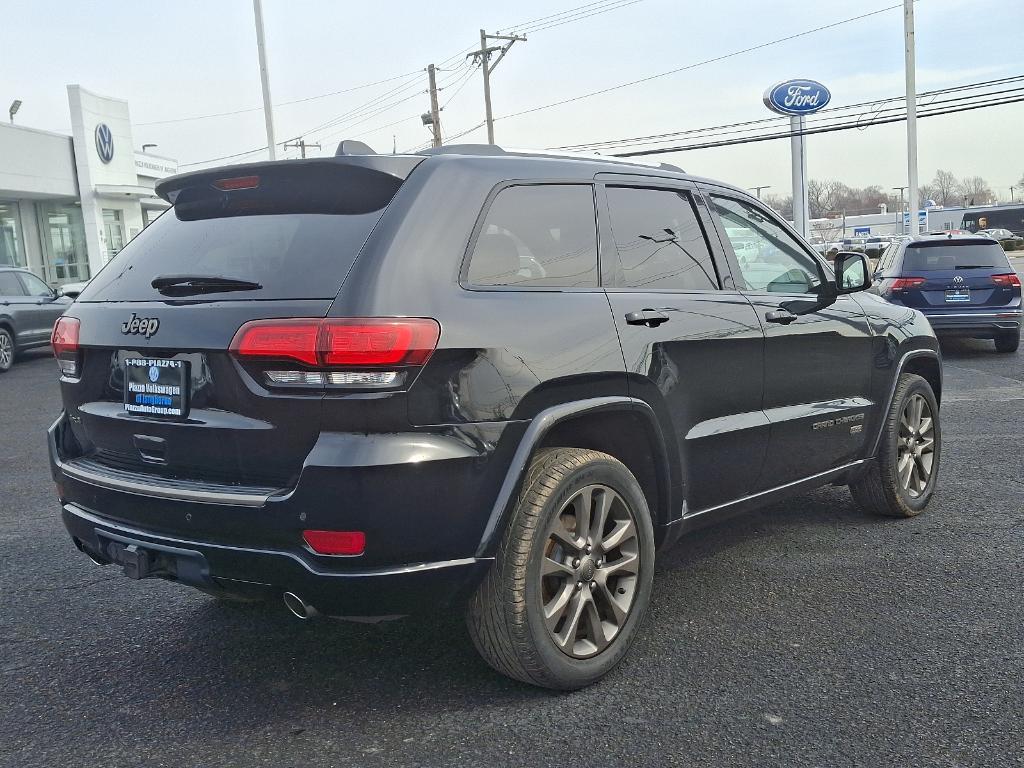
column 269, row 573
column 422, row 499
column 975, row 323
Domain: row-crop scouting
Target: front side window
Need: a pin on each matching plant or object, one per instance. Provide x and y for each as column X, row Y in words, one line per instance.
column 541, row 235
column 769, row 258
column 660, row 241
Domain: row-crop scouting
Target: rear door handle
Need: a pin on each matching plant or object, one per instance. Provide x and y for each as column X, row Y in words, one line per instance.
column 652, row 318
column 783, row 316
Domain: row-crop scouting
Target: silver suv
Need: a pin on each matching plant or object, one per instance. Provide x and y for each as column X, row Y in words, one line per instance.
column 28, row 310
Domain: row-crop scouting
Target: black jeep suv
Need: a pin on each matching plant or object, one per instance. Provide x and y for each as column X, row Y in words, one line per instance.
column 377, row 385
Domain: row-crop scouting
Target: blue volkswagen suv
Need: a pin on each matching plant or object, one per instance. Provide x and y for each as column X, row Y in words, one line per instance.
column 963, row 284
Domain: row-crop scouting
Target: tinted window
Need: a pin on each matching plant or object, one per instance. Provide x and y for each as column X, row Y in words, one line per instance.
column 927, row 258
column 540, row 235
column 769, row 258
column 9, row 285
column 660, row 241
column 35, row 286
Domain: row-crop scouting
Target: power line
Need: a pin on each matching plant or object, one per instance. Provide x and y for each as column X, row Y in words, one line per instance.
column 824, row 115
column 279, row 104
column 825, row 129
column 702, row 63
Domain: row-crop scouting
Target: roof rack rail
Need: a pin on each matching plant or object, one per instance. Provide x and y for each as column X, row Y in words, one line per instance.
column 494, row 150
column 464, row 149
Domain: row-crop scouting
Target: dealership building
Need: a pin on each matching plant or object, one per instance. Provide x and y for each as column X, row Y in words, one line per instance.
column 69, row 203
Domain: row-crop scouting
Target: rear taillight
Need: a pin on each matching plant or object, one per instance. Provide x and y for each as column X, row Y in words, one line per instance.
column 349, row 352
column 902, row 283
column 1006, row 281
column 64, row 340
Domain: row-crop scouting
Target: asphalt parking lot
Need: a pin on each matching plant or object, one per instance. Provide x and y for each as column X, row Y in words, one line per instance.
column 803, row 634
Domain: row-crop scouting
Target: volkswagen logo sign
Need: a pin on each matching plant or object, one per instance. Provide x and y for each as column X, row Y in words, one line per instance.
column 104, row 143
column 958, row 279
column 797, row 97
column 154, row 374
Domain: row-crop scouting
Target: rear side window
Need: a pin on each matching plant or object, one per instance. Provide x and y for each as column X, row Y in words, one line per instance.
column 542, row 235
column 946, row 256
column 9, row 285
column 660, row 241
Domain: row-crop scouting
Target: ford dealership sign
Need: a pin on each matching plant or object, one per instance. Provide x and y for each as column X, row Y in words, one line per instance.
column 797, row 97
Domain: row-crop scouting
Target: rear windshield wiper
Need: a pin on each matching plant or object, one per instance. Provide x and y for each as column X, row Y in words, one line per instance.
column 183, row 285
column 974, row 266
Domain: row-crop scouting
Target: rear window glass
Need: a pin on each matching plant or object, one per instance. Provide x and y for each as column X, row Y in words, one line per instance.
column 934, row 258
column 9, row 285
column 292, row 256
column 542, row 235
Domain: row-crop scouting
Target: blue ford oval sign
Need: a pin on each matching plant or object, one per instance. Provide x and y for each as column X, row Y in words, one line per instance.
column 797, row 97
column 104, row 142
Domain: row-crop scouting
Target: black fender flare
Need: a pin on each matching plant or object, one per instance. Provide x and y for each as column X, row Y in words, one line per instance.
column 540, row 426
column 897, row 372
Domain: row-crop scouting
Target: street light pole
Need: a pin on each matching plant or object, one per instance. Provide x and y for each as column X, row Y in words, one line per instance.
column 899, row 216
column 261, row 48
column 911, row 95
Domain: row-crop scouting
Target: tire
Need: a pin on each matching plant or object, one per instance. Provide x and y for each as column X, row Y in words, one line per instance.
column 505, row 616
column 883, row 490
column 1008, row 342
column 8, row 351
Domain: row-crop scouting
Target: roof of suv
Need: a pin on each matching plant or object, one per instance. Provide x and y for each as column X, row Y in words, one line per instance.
column 931, row 237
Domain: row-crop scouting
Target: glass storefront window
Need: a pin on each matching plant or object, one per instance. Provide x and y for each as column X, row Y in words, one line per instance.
column 12, row 249
column 114, row 230
column 62, row 232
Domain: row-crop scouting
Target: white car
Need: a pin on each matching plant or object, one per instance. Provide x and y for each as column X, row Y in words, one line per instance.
column 71, row 290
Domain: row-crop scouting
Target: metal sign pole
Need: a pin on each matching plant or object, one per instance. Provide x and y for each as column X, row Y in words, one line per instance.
column 801, row 217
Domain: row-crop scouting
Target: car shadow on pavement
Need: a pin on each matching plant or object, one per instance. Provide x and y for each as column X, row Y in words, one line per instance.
column 298, row 671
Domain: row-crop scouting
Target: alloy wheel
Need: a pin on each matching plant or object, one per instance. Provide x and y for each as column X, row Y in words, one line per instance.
column 589, row 574
column 915, row 446
column 6, row 351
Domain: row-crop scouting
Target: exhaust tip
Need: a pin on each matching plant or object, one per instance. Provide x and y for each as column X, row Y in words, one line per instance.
column 299, row 607
column 95, row 560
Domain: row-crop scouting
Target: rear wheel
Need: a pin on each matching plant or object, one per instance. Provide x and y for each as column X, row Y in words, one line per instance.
column 7, row 350
column 1008, row 342
column 902, row 479
column 572, row 578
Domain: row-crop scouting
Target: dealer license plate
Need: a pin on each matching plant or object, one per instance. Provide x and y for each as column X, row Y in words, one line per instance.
column 156, row 386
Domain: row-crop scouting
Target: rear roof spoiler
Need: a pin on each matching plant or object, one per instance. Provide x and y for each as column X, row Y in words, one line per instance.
column 388, row 170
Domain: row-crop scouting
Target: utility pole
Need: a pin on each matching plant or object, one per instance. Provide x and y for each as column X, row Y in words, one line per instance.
column 911, row 77
column 483, row 56
column 261, row 48
column 757, row 190
column 433, row 119
column 899, row 219
column 300, row 144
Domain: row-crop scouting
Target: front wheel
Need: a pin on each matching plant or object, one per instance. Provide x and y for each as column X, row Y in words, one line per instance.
column 6, row 350
column 902, row 479
column 572, row 578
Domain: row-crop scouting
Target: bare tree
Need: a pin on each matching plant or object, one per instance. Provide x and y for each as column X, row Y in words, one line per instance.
column 976, row 190
column 781, row 205
column 945, row 188
column 823, row 197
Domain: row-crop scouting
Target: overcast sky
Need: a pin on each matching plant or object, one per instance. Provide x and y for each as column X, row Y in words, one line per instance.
column 196, row 57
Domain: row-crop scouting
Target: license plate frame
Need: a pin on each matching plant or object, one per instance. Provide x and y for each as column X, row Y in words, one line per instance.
column 156, row 387
column 958, row 295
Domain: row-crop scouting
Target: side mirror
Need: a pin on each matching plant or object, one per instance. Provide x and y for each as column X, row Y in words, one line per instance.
column 852, row 272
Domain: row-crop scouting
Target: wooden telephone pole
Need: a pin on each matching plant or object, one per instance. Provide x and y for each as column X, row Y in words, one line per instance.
column 483, row 56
